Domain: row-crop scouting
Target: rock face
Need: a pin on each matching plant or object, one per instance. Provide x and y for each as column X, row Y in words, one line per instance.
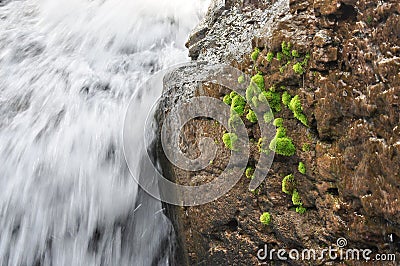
column 350, row 94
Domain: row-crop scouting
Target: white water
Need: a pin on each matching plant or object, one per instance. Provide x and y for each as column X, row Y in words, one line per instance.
column 67, row 71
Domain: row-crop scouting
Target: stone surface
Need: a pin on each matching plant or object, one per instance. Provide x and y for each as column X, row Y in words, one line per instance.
column 350, row 94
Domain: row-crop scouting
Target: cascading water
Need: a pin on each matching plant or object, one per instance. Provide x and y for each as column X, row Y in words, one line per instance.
column 67, row 71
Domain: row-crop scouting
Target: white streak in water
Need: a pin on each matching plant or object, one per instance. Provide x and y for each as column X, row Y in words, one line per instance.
column 67, row 71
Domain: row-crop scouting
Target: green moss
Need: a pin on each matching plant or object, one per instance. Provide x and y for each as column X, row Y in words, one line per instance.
column 227, row 99
column 251, row 116
column 288, row 184
column 258, row 79
column 265, row 218
column 304, row 62
column 302, row 168
column 255, row 101
column 249, row 93
column 241, row 79
column 279, row 56
column 238, row 104
column 255, row 54
column 234, row 121
column 262, row 146
column 230, row 140
column 305, row 147
column 268, row 117
column 233, row 94
column 280, row 132
column 274, row 100
column 283, row 146
column 286, row 47
column 282, row 69
column 262, row 97
column 301, row 210
column 270, row 56
column 297, row 109
column 273, row 88
column 250, row 172
column 278, row 122
column 296, row 199
column 295, row 53
column 286, row 98
column 298, row 68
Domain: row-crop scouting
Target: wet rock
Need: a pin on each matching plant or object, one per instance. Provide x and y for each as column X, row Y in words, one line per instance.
column 327, row 7
column 326, row 55
column 323, row 38
column 350, row 93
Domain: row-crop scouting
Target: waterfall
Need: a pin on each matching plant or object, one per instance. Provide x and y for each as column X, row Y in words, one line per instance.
column 68, row 69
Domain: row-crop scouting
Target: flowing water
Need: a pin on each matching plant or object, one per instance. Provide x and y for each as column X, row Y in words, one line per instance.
column 68, row 69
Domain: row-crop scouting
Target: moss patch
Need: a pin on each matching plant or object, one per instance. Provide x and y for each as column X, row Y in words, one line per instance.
column 230, row 140
column 265, row 218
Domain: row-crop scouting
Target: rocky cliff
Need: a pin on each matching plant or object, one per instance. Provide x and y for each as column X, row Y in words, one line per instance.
column 349, row 88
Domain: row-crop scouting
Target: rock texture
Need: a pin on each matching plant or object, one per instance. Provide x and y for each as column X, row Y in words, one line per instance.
column 350, row 93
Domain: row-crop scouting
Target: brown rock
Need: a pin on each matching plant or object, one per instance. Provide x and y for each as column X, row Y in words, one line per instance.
column 325, row 55
column 327, row 7
column 351, row 96
column 323, row 38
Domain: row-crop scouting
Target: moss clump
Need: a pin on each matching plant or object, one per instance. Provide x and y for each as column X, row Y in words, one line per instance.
column 251, row 116
column 286, row 47
column 286, row 98
column 278, row 122
column 280, row 132
column 295, row 53
column 288, row 184
column 296, row 199
column 297, row 109
column 230, row 140
column 258, row 79
column 234, row 121
column 274, row 100
column 249, row 93
column 255, row 54
column 270, row 56
column 250, row 172
column 302, row 168
column 279, row 56
column 241, row 79
column 298, row 68
column 255, row 101
column 233, row 94
column 283, row 146
column 238, row 104
column 305, row 147
column 265, row 218
column 227, row 99
column 273, row 88
column 268, row 117
column 262, row 97
column 301, row 210
column 262, row 146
